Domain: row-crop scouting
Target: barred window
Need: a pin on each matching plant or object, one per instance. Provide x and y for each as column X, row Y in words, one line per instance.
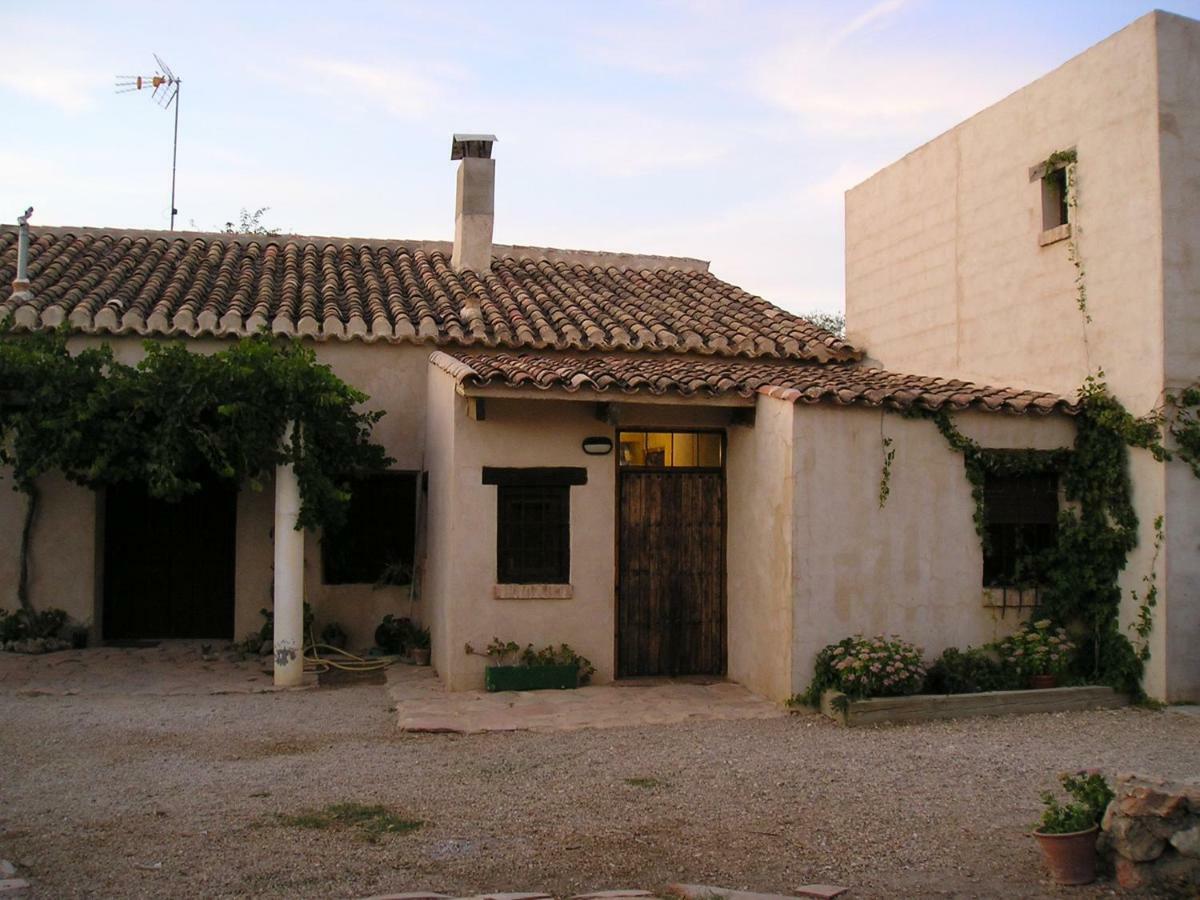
column 533, row 523
column 1020, row 514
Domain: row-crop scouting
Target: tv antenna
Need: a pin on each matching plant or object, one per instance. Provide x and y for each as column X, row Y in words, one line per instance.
column 165, row 85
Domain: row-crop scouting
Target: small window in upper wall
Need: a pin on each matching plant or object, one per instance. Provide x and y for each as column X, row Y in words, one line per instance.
column 1056, row 210
column 1020, row 514
column 671, row 449
column 375, row 544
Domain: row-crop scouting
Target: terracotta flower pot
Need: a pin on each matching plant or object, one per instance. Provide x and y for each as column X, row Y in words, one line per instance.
column 420, row 656
column 1041, row 682
column 1070, row 858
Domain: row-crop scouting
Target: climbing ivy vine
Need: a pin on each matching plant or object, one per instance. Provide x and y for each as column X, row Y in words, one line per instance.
column 177, row 419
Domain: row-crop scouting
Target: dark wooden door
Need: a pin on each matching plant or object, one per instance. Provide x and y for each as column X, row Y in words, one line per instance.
column 169, row 567
column 671, row 602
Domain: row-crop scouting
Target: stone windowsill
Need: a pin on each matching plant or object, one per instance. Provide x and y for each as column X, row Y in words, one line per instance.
column 1054, row 235
column 533, row 592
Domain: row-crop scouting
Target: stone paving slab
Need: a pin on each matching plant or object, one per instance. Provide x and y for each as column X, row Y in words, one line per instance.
column 424, row 706
column 708, row 892
column 172, row 668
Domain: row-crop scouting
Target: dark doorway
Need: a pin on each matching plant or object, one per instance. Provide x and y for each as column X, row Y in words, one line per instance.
column 169, row 567
column 671, row 603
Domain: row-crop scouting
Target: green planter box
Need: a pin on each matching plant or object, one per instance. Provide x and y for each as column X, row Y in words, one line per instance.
column 530, row 678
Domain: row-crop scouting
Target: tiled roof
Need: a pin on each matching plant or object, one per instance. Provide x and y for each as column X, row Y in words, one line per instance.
column 117, row 282
column 797, row 382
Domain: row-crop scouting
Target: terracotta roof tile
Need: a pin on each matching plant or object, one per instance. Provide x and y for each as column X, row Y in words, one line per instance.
column 330, row 288
column 844, row 384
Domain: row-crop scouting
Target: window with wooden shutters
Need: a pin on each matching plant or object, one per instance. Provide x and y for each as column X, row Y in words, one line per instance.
column 1020, row 514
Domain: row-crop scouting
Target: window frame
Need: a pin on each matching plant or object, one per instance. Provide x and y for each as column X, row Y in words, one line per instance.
column 346, row 573
column 515, row 538
column 1018, row 524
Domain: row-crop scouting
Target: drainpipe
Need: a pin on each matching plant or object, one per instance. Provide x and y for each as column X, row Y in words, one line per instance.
column 289, row 576
column 21, row 282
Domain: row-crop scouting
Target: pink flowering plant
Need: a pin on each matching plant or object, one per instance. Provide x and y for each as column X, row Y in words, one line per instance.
column 1039, row 648
column 862, row 667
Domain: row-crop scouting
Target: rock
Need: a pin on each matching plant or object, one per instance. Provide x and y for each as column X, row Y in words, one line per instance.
column 7, row 869
column 1130, row 875
column 1187, row 842
column 267, row 648
column 1144, row 800
column 9, row 885
column 1134, row 840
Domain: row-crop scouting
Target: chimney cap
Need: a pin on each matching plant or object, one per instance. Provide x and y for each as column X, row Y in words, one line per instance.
column 472, row 145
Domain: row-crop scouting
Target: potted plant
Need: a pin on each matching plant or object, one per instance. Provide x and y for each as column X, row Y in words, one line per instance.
column 419, row 641
column 392, row 635
column 1067, row 832
column 1039, row 652
column 514, row 668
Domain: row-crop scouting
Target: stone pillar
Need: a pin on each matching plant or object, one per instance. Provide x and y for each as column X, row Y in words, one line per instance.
column 289, row 577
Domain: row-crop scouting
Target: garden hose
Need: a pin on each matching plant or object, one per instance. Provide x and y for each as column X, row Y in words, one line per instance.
column 347, row 661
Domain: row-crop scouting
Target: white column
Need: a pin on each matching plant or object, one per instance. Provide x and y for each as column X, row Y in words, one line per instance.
column 289, row 577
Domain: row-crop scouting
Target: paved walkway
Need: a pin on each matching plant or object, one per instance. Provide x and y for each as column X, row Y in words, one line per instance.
column 171, row 668
column 423, row 705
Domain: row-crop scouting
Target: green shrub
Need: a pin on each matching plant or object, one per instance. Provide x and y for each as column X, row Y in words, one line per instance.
column 1090, row 796
column 970, row 671
column 394, row 635
column 867, row 667
column 24, row 625
column 1038, row 648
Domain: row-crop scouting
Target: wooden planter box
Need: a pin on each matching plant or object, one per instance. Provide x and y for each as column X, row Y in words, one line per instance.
column 530, row 678
column 926, row 707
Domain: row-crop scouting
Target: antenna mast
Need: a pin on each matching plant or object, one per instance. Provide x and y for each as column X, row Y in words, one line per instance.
column 165, row 84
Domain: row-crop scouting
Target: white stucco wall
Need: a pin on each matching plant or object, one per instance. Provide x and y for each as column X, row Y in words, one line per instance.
column 760, row 480
column 68, row 549
column 945, row 274
column 523, row 434
column 1178, row 638
column 913, row 568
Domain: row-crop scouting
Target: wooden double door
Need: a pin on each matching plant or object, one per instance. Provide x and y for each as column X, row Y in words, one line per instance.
column 169, row 567
column 671, row 585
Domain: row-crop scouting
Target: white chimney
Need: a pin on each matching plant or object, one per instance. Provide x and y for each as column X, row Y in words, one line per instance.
column 21, row 282
column 474, row 205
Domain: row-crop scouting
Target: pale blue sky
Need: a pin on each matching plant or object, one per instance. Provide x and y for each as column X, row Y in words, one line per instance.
column 722, row 130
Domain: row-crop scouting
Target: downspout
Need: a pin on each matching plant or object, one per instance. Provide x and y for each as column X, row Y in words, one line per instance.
column 21, row 282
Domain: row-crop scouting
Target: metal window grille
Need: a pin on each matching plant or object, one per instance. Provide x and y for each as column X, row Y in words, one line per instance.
column 1020, row 515
column 533, row 534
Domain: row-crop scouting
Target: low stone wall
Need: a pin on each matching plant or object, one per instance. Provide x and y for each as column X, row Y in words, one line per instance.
column 927, row 707
column 1151, row 832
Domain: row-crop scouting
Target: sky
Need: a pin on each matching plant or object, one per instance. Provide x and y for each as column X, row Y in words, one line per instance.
column 727, row 131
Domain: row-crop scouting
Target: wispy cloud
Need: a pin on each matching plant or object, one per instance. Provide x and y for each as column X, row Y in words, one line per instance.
column 880, row 10
column 407, row 90
column 45, row 66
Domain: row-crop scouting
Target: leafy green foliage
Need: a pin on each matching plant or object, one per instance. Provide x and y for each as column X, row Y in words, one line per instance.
column 1090, row 796
column 1095, row 534
column 862, row 667
column 971, row 671
column 501, row 653
column 179, row 417
column 394, row 635
column 24, row 625
column 1184, row 426
column 1037, row 648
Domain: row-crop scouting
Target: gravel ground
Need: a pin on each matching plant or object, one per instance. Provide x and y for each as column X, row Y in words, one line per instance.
column 96, row 792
